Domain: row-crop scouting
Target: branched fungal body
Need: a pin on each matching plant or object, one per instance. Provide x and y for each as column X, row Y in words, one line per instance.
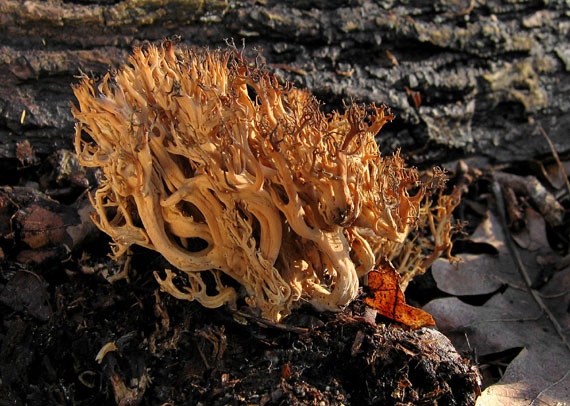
column 208, row 160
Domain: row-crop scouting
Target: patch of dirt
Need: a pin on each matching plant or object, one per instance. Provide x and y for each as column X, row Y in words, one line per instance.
column 70, row 337
column 167, row 351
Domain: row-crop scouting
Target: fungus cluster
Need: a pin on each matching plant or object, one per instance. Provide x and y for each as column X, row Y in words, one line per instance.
column 233, row 177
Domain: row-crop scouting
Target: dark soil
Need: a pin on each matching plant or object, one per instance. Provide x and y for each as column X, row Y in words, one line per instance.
column 59, row 312
column 180, row 353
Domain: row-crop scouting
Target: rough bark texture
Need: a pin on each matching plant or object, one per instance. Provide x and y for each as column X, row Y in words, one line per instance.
column 463, row 76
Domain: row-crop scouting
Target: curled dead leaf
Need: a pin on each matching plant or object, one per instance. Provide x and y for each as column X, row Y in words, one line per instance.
column 388, row 299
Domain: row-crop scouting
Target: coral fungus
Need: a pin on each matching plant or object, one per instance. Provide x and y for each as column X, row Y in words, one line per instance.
column 208, row 160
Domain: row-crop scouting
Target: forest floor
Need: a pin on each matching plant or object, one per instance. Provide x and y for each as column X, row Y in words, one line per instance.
column 71, row 337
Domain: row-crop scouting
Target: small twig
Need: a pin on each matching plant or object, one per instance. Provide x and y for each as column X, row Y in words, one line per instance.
column 544, row 201
column 522, row 269
column 513, row 320
column 267, row 323
column 554, row 295
column 474, row 323
column 550, row 386
column 35, row 275
column 204, row 359
column 556, row 157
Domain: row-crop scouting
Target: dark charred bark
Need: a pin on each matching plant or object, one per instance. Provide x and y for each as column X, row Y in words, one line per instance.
column 463, row 77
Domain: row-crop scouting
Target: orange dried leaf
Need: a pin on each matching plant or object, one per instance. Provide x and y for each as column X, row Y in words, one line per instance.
column 388, row 299
column 286, row 371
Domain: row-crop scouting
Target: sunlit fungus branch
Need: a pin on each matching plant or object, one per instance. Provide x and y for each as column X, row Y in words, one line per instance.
column 209, row 161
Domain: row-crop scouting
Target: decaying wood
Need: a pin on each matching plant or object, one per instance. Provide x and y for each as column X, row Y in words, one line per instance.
column 530, row 187
column 462, row 76
column 38, row 230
